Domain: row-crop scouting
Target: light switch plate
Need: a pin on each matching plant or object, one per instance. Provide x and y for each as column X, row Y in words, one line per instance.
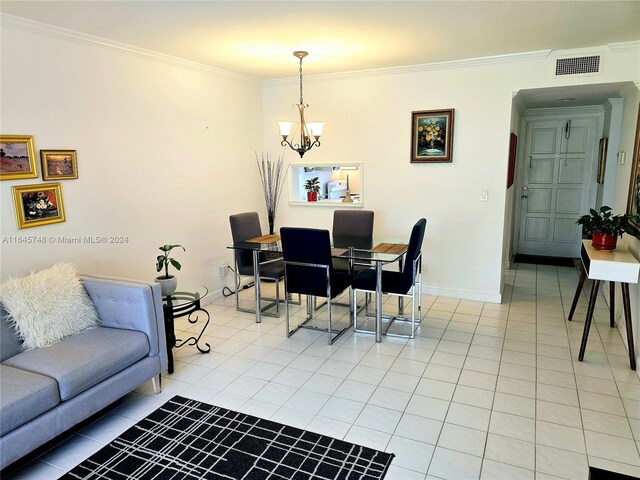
column 484, row 195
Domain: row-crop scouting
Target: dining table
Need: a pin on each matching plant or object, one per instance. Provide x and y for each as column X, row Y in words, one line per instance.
column 382, row 252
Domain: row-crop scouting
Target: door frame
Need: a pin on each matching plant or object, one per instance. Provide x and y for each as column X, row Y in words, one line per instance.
column 536, row 114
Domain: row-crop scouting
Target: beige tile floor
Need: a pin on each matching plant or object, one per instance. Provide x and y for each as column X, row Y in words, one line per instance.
column 484, row 391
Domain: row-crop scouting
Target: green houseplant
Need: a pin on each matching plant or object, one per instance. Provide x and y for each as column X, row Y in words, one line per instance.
column 312, row 186
column 168, row 283
column 604, row 227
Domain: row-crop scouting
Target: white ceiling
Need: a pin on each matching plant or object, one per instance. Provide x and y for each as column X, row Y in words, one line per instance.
column 257, row 38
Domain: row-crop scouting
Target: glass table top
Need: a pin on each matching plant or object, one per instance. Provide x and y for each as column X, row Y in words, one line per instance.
column 186, row 294
column 384, row 249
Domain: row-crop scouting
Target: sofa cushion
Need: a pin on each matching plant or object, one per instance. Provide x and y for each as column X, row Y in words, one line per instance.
column 84, row 360
column 47, row 306
column 24, row 396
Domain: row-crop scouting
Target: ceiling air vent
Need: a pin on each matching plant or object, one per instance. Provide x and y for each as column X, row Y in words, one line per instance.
column 578, row 65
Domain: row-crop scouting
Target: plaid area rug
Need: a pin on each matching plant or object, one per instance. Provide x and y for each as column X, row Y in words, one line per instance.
column 187, row 439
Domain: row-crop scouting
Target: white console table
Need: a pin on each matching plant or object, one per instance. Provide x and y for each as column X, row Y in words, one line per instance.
column 618, row 265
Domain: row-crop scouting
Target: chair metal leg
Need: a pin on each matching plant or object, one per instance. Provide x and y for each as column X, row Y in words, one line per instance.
column 329, row 315
column 286, row 309
column 278, row 297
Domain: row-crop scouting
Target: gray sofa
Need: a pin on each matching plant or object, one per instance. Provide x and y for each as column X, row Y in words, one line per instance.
column 45, row 391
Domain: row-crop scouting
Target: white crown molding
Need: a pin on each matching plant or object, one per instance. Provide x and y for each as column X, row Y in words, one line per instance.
column 426, row 67
column 32, row 26
column 624, row 46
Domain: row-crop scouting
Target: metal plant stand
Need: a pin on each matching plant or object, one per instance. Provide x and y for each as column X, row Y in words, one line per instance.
column 180, row 304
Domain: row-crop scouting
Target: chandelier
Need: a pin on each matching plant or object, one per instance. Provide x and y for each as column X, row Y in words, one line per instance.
column 309, row 132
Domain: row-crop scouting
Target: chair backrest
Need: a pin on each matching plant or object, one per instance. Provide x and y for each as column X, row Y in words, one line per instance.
column 243, row 227
column 353, row 228
column 413, row 252
column 309, row 246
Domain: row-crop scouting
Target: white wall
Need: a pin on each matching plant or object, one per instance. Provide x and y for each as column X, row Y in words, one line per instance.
column 368, row 119
column 163, row 155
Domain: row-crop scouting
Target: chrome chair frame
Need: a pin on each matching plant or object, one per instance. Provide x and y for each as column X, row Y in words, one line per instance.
column 416, row 288
column 310, row 309
column 272, row 301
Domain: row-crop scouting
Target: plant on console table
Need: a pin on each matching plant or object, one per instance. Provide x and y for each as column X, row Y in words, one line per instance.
column 604, row 227
column 168, row 283
column 312, row 186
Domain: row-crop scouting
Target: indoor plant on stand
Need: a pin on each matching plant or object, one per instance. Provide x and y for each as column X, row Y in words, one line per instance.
column 604, row 227
column 312, row 186
column 168, row 283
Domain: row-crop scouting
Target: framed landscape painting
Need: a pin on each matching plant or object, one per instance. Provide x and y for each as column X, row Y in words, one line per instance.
column 38, row 204
column 59, row 164
column 432, row 136
column 17, row 157
column 633, row 201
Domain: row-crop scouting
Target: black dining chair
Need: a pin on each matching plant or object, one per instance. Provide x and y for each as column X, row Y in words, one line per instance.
column 309, row 271
column 351, row 228
column 406, row 283
column 245, row 226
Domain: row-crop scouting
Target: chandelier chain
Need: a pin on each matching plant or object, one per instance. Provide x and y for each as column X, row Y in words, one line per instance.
column 301, row 101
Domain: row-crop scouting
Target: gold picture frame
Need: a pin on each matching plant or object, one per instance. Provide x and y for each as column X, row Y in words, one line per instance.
column 59, row 164
column 633, row 200
column 38, row 204
column 17, row 157
column 602, row 159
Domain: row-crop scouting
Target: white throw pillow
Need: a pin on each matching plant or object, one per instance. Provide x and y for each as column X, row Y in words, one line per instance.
column 47, row 306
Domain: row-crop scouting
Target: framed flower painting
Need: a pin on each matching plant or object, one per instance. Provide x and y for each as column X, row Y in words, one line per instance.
column 432, row 136
column 38, row 204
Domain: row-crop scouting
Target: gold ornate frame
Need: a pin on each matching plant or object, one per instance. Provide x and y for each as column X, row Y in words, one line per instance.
column 39, row 215
column 46, row 155
column 31, row 153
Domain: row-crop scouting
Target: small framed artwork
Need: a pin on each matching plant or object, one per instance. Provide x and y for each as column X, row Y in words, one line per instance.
column 513, row 149
column 17, row 157
column 39, row 204
column 633, row 201
column 432, row 136
column 59, row 164
column 602, row 159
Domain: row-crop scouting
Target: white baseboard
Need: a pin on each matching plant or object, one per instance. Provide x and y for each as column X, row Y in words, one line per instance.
column 464, row 294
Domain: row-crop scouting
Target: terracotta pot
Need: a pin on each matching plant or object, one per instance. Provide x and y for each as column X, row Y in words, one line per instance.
column 602, row 241
column 312, row 196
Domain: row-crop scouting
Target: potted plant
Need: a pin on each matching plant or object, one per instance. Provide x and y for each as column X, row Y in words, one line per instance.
column 312, row 186
column 168, row 283
column 604, row 227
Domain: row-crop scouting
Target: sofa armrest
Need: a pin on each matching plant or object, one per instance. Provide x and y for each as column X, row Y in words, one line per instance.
column 130, row 305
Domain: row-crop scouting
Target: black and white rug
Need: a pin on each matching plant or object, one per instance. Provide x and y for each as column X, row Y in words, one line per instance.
column 187, row 439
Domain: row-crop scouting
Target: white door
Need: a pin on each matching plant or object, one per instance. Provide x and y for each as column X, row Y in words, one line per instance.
column 559, row 159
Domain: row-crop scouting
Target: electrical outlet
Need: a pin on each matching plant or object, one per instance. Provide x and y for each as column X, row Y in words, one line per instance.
column 484, row 195
column 223, row 271
column 622, row 158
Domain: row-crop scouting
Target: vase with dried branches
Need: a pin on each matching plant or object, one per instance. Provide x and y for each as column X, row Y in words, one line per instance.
column 272, row 173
